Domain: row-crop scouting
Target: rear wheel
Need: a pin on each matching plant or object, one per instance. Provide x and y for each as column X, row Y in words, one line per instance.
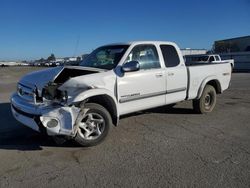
column 207, row 101
column 93, row 124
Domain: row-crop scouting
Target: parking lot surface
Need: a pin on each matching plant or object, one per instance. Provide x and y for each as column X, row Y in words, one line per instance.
column 161, row 147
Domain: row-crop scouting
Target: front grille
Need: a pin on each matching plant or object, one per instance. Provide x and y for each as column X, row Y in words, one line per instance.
column 26, row 92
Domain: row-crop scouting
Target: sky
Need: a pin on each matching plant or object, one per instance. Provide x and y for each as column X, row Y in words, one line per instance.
column 31, row 29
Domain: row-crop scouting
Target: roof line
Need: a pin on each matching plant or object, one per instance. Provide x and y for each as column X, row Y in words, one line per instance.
column 234, row 38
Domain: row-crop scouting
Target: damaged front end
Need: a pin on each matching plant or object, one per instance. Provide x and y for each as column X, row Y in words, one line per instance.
column 60, row 120
column 57, row 117
column 48, row 103
column 51, row 93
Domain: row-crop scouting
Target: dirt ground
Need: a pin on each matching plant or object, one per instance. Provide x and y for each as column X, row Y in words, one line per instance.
column 161, row 147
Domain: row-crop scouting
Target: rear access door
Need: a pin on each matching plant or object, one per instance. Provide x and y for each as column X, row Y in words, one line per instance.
column 175, row 74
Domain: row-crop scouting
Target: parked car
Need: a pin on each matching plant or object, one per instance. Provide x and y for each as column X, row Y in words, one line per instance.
column 84, row 102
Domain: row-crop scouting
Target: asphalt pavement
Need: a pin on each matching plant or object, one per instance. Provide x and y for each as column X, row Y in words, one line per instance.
column 161, row 147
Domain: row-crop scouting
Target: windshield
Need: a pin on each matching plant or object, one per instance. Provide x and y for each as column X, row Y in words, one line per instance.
column 106, row 57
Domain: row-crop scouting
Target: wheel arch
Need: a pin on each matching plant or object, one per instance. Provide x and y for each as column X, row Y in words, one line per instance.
column 213, row 81
column 102, row 97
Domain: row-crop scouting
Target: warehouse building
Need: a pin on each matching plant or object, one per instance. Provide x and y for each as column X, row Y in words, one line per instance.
column 237, row 49
column 189, row 51
column 240, row 44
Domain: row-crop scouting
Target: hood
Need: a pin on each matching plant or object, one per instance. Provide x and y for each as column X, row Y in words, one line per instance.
column 40, row 78
column 57, row 75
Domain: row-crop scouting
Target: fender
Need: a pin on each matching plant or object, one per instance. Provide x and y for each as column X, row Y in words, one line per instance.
column 98, row 92
column 93, row 92
column 204, row 83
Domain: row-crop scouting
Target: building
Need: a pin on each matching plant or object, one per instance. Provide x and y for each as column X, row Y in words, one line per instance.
column 60, row 60
column 189, row 51
column 12, row 63
column 72, row 59
column 237, row 49
column 239, row 44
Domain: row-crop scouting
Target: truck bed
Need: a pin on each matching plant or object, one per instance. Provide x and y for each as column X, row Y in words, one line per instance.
column 199, row 73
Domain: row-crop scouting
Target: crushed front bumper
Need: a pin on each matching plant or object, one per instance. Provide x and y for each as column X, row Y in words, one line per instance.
column 48, row 119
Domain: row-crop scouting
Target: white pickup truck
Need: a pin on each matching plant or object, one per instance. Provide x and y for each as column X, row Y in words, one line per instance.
column 206, row 58
column 83, row 102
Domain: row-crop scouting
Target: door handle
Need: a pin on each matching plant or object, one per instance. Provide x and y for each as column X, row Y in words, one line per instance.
column 170, row 74
column 158, row 75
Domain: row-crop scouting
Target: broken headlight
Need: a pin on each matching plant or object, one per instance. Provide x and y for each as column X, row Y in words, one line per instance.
column 63, row 96
column 52, row 93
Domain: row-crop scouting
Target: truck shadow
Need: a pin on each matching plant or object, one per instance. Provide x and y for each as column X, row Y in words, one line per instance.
column 168, row 109
column 15, row 136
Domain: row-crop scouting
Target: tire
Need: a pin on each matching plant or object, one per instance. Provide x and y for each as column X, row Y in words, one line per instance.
column 207, row 101
column 93, row 125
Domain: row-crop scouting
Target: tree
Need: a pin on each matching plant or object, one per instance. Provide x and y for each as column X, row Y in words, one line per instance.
column 41, row 60
column 84, row 56
column 51, row 57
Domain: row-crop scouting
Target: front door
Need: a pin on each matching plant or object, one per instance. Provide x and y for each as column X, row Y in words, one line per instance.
column 145, row 88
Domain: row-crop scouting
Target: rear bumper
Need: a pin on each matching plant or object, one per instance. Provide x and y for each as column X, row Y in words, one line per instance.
column 38, row 117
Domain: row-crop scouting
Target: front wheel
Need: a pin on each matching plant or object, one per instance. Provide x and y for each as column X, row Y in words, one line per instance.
column 93, row 123
column 207, row 101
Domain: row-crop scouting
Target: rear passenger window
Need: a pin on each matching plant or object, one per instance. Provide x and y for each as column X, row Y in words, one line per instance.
column 211, row 59
column 170, row 55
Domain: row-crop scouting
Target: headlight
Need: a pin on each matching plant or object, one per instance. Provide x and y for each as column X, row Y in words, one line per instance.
column 19, row 89
column 63, row 96
column 52, row 93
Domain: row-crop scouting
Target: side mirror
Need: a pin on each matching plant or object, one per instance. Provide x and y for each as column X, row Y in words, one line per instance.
column 131, row 66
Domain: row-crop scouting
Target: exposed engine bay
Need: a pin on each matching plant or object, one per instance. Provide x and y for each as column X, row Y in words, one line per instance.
column 68, row 73
column 51, row 91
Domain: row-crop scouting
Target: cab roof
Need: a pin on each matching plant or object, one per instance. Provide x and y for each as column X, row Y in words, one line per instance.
column 141, row 42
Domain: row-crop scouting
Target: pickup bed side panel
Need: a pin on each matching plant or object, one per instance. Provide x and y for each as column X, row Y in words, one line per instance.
column 199, row 75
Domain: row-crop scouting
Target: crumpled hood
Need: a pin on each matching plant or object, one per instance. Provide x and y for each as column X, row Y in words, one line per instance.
column 41, row 77
column 57, row 74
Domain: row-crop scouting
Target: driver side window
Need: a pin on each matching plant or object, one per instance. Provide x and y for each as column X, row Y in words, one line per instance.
column 146, row 55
